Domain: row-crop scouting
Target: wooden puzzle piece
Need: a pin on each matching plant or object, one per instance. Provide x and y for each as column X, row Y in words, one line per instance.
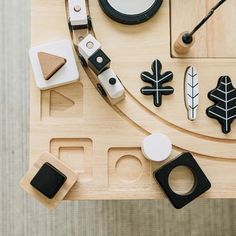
column 156, row 147
column 191, row 90
column 50, row 64
column 49, row 180
column 157, row 80
column 67, row 74
column 224, row 109
column 201, row 185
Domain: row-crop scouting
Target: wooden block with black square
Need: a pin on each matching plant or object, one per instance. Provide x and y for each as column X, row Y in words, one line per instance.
column 49, row 180
column 201, row 182
column 99, row 62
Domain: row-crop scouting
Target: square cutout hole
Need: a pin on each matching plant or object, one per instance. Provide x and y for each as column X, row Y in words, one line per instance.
column 76, row 153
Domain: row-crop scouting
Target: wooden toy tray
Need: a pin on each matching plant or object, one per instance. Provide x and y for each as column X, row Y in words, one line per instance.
column 102, row 142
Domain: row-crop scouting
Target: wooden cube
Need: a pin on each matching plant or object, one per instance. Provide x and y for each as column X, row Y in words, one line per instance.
column 49, row 180
column 111, row 84
column 78, row 14
column 88, row 46
column 99, row 62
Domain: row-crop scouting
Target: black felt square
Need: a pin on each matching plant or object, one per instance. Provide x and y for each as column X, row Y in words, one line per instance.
column 48, row 180
column 201, row 185
column 99, row 62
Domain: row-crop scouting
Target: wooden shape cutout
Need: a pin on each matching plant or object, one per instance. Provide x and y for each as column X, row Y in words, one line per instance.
column 59, row 102
column 50, row 64
column 71, row 178
column 48, row 180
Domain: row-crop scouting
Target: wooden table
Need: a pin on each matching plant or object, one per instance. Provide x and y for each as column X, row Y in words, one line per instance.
column 102, row 142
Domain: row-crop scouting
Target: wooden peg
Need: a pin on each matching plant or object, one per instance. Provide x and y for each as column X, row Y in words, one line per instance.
column 183, row 43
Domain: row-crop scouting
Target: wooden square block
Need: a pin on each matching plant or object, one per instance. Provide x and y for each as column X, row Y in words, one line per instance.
column 99, row 62
column 78, row 14
column 48, row 180
column 201, row 185
column 50, row 193
column 88, row 46
column 115, row 90
column 67, row 74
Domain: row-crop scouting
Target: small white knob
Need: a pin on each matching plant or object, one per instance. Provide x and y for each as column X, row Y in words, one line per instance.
column 77, row 8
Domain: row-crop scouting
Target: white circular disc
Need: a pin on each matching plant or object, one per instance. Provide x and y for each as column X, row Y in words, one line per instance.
column 131, row 7
column 156, row 147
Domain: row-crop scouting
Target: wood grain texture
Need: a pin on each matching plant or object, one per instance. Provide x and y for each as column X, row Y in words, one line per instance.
column 122, row 128
column 22, row 216
column 216, row 38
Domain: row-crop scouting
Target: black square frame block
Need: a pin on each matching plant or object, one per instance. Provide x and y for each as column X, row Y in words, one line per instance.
column 99, row 62
column 48, row 180
column 201, row 182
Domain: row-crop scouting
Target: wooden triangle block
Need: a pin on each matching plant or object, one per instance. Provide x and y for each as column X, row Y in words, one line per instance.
column 50, row 64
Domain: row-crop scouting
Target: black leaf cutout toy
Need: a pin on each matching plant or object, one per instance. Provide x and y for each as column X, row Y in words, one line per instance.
column 224, row 109
column 157, row 80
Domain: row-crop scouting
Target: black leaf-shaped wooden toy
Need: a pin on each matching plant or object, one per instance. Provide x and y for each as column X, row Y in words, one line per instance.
column 224, row 109
column 157, row 80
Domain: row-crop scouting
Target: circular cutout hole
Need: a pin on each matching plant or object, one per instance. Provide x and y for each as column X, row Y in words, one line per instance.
column 89, row 45
column 129, row 168
column 181, row 180
column 99, row 59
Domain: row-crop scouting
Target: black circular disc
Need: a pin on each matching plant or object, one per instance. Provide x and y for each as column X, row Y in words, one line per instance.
column 130, row 19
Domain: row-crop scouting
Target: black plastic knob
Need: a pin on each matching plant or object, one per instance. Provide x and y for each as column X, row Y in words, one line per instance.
column 112, row 81
column 187, row 38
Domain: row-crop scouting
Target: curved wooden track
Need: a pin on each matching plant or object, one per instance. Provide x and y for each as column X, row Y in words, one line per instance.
column 102, row 142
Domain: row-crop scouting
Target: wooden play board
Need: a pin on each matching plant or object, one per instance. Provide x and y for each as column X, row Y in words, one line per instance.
column 102, row 142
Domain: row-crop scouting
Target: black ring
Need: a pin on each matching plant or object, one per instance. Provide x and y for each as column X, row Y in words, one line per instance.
column 130, row 19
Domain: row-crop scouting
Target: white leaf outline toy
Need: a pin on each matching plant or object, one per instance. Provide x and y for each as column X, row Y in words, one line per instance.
column 191, row 90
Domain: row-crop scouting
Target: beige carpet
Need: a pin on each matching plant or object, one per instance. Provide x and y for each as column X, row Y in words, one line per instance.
column 23, row 216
